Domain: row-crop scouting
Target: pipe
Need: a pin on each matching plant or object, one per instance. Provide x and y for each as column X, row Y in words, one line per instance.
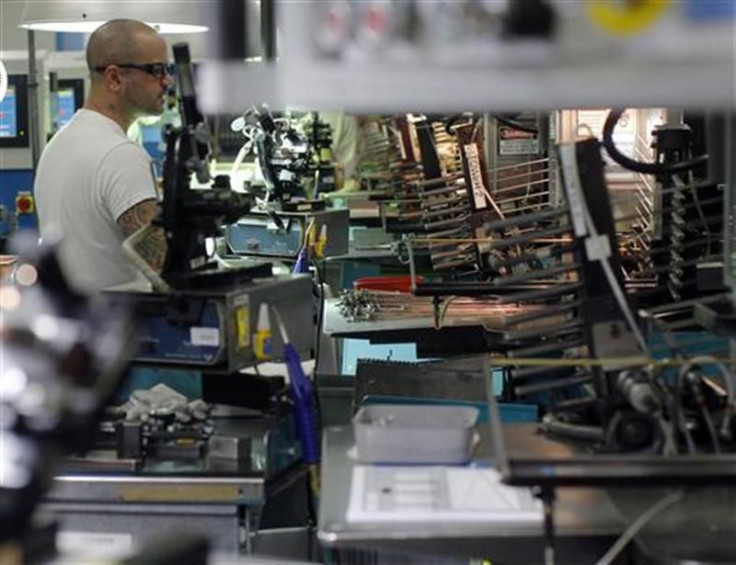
column 33, row 119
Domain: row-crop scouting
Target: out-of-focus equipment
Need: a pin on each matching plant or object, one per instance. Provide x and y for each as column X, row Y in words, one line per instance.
column 360, row 56
column 62, row 358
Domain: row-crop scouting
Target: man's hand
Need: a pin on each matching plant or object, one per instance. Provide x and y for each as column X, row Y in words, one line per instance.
column 153, row 247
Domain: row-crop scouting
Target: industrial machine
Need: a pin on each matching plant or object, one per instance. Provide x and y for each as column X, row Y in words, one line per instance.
column 238, row 446
column 288, row 220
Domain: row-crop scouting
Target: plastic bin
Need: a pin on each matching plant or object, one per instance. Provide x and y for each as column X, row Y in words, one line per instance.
column 395, row 433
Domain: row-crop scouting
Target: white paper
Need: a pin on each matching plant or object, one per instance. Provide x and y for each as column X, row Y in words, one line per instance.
column 437, row 494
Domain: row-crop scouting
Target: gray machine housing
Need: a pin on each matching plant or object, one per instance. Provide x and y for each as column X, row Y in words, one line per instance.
column 257, row 234
column 213, row 330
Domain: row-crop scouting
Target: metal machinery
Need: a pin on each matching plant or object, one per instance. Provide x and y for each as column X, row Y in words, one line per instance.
column 230, row 469
column 531, row 272
column 620, row 367
column 540, row 280
column 288, row 220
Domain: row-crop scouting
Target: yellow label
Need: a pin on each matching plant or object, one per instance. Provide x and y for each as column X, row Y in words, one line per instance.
column 242, row 326
column 178, row 493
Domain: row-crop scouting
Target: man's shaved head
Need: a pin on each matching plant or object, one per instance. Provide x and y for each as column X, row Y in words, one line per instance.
column 117, row 41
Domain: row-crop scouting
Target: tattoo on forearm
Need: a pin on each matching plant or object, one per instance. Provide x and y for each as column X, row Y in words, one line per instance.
column 153, row 247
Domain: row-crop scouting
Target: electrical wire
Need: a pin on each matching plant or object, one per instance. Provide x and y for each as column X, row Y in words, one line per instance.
column 637, row 526
column 698, row 207
column 637, row 166
column 514, row 124
column 728, row 378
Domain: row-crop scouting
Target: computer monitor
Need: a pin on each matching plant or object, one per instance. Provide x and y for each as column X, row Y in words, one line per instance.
column 69, row 98
column 14, row 113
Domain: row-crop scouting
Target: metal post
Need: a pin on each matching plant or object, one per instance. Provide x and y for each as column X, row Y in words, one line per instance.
column 33, row 119
column 228, row 30
column 268, row 30
column 729, row 208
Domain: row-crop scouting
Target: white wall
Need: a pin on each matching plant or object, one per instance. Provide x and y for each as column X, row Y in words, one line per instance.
column 11, row 36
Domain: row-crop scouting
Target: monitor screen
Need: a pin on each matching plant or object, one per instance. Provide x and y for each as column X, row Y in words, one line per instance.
column 67, row 98
column 14, row 113
column 65, row 105
column 8, row 114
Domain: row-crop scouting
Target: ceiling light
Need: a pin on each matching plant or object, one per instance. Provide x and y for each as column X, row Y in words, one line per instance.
column 83, row 16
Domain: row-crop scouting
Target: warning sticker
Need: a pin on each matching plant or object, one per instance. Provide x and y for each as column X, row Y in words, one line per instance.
column 517, row 142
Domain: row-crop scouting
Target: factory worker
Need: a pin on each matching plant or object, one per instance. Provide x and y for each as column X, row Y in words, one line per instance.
column 344, row 147
column 94, row 186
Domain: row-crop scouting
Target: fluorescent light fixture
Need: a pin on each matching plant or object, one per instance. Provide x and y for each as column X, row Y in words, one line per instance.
column 84, row 16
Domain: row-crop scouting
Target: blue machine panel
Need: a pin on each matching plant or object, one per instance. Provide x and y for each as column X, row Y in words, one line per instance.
column 160, row 340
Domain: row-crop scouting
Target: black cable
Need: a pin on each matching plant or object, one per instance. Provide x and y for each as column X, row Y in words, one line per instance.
column 514, row 124
column 638, row 166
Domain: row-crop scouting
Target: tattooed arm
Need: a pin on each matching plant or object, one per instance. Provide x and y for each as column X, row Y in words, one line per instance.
column 153, row 247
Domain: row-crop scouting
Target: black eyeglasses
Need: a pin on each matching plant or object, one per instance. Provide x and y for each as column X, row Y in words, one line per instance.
column 159, row 70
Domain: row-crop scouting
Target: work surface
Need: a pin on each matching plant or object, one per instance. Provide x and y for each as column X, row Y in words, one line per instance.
column 585, row 519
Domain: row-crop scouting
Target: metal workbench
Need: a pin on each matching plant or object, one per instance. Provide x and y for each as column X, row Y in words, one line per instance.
column 134, row 509
column 586, row 519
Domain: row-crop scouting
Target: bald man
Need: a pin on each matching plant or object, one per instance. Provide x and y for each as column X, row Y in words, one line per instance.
column 94, row 187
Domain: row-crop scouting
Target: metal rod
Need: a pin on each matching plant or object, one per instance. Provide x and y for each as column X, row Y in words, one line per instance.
column 529, row 237
column 573, row 404
column 533, row 295
column 33, row 111
column 516, row 212
column 570, row 327
column 526, row 219
column 524, row 174
column 518, row 374
column 552, row 385
column 682, row 305
column 448, row 200
column 230, row 40
column 534, row 275
column 522, row 185
column 269, row 32
column 545, row 348
column 525, row 164
column 543, row 313
column 443, row 223
column 544, row 253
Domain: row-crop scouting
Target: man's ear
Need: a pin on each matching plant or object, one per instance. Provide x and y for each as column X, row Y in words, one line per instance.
column 112, row 78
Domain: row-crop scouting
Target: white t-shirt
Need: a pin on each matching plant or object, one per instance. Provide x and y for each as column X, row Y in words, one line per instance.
column 88, row 175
